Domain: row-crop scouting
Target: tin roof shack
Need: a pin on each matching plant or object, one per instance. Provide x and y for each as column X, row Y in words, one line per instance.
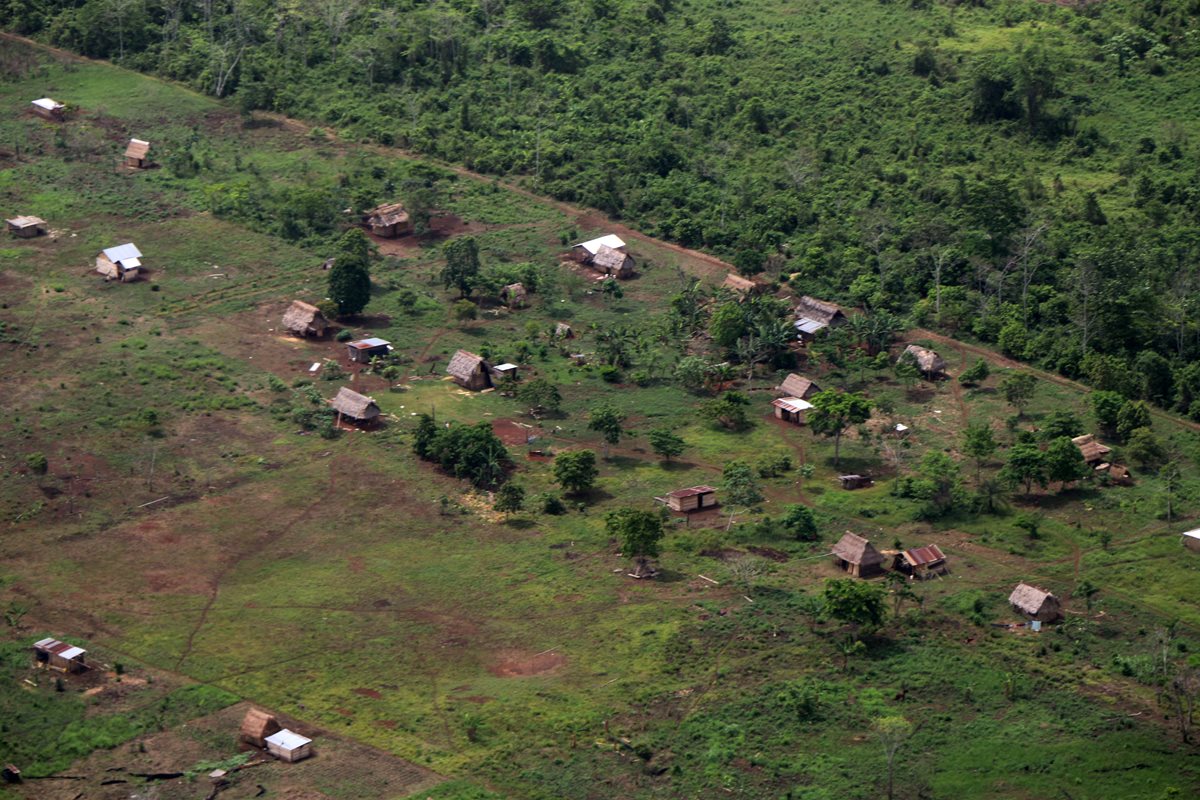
column 389, row 220
column 797, row 386
column 1191, row 540
column 358, row 408
column 1035, row 603
column 364, row 350
column 505, row 372
column 305, row 319
column 921, row 562
column 854, row 481
column 289, row 746
column 927, row 361
column 470, row 371
column 1093, row 452
column 59, row 655
column 121, row 263
column 856, row 555
column 791, row 409
column 585, row 251
column 50, row 109
column 26, row 227
column 137, row 154
column 694, row 498
column 514, row 295
column 814, row 316
column 257, row 726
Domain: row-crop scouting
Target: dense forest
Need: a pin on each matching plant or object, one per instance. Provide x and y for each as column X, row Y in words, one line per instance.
column 1016, row 172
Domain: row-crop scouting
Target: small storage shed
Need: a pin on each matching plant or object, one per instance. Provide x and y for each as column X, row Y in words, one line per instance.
column 694, row 498
column 365, row 349
column 289, row 746
column 613, row 262
column 46, row 108
column 854, row 481
column 791, row 409
column 856, row 555
column 26, row 227
column 505, row 371
column 1191, row 540
column 927, row 361
column 137, row 154
column 1118, row 474
column 584, row 252
column 257, row 725
column 389, row 220
column 1035, row 603
column 514, row 295
column 59, row 655
column 353, row 406
column 304, row 319
column 814, row 316
column 470, row 371
column 797, row 386
column 921, row 562
column 1093, row 452
column 120, row 263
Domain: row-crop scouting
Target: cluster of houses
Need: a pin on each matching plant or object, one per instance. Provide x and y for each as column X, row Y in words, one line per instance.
column 260, row 729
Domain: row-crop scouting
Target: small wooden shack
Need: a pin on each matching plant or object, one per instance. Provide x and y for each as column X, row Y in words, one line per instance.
column 514, row 295
column 563, row 331
column 856, row 555
column 694, row 498
column 1191, row 540
column 305, row 319
column 1035, row 603
column 742, row 286
column 358, row 408
column 1093, row 452
column 814, row 316
column 137, row 154
column 791, row 409
column 1117, row 474
column 921, row 562
column 257, row 725
column 59, row 655
column 364, row 350
column 26, row 227
column 120, row 263
column 797, row 386
column 854, row 481
column 505, row 372
column 613, row 262
column 289, row 746
column 470, row 371
column 389, row 220
column 50, row 109
column 927, row 361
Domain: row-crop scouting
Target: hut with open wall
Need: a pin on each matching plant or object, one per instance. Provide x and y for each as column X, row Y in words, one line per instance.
column 921, row 562
column 470, row 371
column 304, row 319
column 120, row 263
column 26, row 227
column 791, row 409
column 355, row 407
column 389, row 220
column 854, row 481
column 814, row 316
column 1191, row 540
column 1035, row 603
column 1092, row 451
column 46, row 108
column 927, row 361
column 137, row 154
column 694, row 498
column 289, row 746
column 364, row 350
column 514, row 295
column 257, row 725
column 60, row 655
column 857, row 556
column 797, row 386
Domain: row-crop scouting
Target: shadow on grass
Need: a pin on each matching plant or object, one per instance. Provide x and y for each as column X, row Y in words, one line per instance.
column 520, row 523
column 676, row 466
column 625, row 462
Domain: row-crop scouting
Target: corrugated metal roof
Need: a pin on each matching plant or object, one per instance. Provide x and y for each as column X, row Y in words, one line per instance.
column 806, row 325
column 593, row 245
column 58, row 648
column 921, row 556
column 366, row 344
column 25, row 222
column 122, row 252
column 72, row 652
column 1192, row 534
column 45, row 642
column 793, row 404
column 288, row 740
column 692, row 491
column 48, row 104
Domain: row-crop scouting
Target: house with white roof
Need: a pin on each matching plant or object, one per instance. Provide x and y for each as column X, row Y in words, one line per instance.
column 120, row 263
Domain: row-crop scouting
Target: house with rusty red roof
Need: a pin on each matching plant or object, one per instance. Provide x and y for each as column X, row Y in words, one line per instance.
column 920, row 562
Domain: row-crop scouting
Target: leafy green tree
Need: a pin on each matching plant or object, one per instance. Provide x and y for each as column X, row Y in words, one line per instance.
column 606, row 421
column 465, row 310
column 471, row 452
column 610, row 289
column 834, row 411
column 728, row 324
column 891, row 733
column 1106, row 408
column 907, row 373
column 1064, row 462
column 1058, row 424
column 1133, row 415
column 1025, row 464
column 976, row 374
column 509, row 498
column 856, row 603
column 741, row 488
column 1157, row 378
column 1018, row 390
column 800, row 522
column 980, row 444
column 730, row 411
column 1145, row 449
column 991, row 495
column 350, row 278
column 462, row 264
column 576, row 471
column 1088, row 591
column 664, row 442
column 540, row 397
column 639, row 533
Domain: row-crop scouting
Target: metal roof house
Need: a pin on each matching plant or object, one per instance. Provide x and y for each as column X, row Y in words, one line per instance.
column 365, row 349
column 592, row 246
column 814, row 316
column 605, row 254
column 289, row 746
column 1191, row 540
column 137, row 154
column 26, row 227
column 50, row 109
column 921, row 562
column 120, row 263
column 59, row 655
column 694, row 498
column 791, row 409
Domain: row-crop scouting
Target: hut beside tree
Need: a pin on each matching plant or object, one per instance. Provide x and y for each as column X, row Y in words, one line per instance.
column 358, row 408
column 470, row 371
column 305, row 319
column 857, row 556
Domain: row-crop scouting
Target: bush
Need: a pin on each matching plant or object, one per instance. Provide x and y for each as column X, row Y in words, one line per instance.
column 774, row 465
column 552, row 504
column 610, row 374
column 344, row 335
column 37, row 463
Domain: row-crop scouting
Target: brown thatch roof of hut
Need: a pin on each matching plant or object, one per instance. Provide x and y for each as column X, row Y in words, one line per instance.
column 137, row 149
column 1029, row 599
column 798, row 386
column 817, row 310
column 609, row 259
column 563, row 331
column 302, row 317
column 739, row 284
column 1092, row 450
column 857, row 550
column 926, row 360
column 514, row 294
column 387, row 214
column 258, row 725
column 350, row 403
column 464, row 364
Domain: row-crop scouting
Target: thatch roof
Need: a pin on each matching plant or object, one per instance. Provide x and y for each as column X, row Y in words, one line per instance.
column 258, row 724
column 1092, row 450
column 739, row 284
column 301, row 317
column 514, row 294
column 1030, row 599
column 387, row 214
column 464, row 364
column 798, row 386
column 609, row 259
column 857, row 550
column 926, row 360
column 137, row 149
column 350, row 403
column 817, row 310
column 563, row 331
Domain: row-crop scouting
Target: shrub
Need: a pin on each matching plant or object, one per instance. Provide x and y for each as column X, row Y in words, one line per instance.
column 37, row 463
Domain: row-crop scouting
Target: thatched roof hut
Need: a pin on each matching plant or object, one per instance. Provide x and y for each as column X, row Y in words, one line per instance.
column 389, row 220
column 1093, row 452
column 740, row 285
column 257, row 726
column 797, row 386
column 813, row 315
column 137, row 153
column 304, row 319
column 1035, row 603
column 514, row 295
column 612, row 261
column 857, row 556
column 563, row 331
column 351, row 405
column 470, row 371
column 926, row 360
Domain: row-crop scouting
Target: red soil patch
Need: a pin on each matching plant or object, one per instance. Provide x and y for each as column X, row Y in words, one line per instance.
column 519, row 665
column 511, row 432
column 441, row 226
column 478, row 699
column 390, row 724
column 769, row 552
column 345, row 712
column 356, row 564
column 371, row 693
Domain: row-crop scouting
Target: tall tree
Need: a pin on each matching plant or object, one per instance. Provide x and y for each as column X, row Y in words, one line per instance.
column 742, row 489
column 350, row 278
column 1018, row 390
column 1064, row 462
column 462, row 264
column 576, row 471
column 834, row 411
column 1026, row 464
column 606, row 421
column 639, row 533
column 666, row 443
column 979, row 443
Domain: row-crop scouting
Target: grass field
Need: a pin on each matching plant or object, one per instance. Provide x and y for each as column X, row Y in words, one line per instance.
column 213, row 544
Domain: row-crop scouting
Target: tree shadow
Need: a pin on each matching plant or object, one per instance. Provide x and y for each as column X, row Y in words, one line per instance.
column 520, row 523
column 676, row 466
column 669, row 576
column 624, row 462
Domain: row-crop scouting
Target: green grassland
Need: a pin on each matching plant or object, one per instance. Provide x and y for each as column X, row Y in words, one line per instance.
column 513, row 655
